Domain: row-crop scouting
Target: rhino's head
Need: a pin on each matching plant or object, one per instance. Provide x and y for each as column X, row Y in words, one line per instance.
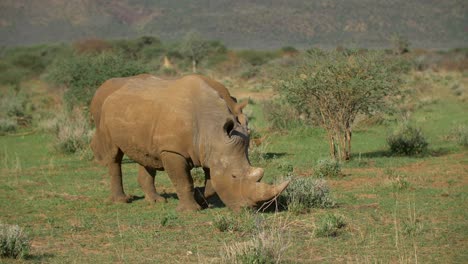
column 232, row 176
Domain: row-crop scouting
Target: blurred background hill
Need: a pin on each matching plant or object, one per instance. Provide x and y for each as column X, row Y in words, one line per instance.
column 261, row 24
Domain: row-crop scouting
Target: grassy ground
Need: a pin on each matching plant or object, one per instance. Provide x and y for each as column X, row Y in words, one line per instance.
column 396, row 209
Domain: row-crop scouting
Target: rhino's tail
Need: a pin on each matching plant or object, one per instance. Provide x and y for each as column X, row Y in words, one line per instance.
column 101, row 148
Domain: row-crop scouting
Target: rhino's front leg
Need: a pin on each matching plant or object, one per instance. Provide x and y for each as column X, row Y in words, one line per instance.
column 115, row 173
column 178, row 170
column 146, row 180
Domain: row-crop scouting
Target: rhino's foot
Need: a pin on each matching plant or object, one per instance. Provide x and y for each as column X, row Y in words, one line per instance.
column 122, row 199
column 188, row 206
column 155, row 198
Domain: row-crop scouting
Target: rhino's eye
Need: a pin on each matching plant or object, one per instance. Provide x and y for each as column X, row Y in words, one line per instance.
column 228, row 127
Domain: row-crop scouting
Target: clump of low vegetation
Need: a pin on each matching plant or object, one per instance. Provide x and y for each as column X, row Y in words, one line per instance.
column 267, row 245
column 327, row 168
column 72, row 132
column 14, row 113
column 330, row 225
column 245, row 222
column 459, row 134
column 407, row 140
column 305, row 193
column 397, row 180
column 14, row 243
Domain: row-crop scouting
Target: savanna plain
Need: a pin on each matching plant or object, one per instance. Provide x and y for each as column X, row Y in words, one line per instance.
column 383, row 207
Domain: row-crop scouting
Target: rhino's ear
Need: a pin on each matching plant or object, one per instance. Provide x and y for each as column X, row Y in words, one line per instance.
column 229, row 126
column 239, row 106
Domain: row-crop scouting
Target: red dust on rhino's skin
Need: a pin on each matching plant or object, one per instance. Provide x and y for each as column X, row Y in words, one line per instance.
column 175, row 125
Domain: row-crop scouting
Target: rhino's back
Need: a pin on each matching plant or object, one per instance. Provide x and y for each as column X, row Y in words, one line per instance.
column 146, row 116
column 109, row 87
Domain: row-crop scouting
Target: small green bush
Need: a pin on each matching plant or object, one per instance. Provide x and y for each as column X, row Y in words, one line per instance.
column 14, row 242
column 407, row 140
column 327, row 168
column 330, row 225
column 256, row 57
column 305, row 193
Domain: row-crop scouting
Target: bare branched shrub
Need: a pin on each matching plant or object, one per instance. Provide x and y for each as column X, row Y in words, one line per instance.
column 14, row 242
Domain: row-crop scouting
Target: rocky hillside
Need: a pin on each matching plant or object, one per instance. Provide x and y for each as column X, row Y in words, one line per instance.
column 240, row 23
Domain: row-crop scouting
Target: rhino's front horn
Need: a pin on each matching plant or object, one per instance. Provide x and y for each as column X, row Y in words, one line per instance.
column 264, row 192
column 238, row 193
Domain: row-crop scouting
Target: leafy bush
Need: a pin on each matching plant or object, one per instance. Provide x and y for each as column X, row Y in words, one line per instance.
column 14, row 242
column 330, row 225
column 327, row 168
column 407, row 140
column 72, row 132
column 305, row 193
column 335, row 87
column 83, row 74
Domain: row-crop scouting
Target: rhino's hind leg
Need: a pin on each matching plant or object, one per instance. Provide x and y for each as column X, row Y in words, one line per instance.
column 116, row 185
column 179, row 172
column 146, row 181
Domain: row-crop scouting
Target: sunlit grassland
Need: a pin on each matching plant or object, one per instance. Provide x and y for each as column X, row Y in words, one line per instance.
column 397, row 209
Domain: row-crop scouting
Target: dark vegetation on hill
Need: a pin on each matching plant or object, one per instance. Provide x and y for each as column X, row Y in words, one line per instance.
column 240, row 24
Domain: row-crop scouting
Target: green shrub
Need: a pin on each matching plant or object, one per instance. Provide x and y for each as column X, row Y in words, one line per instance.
column 327, row 168
column 330, row 225
column 305, row 193
column 83, row 74
column 336, row 87
column 407, row 140
column 14, row 242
